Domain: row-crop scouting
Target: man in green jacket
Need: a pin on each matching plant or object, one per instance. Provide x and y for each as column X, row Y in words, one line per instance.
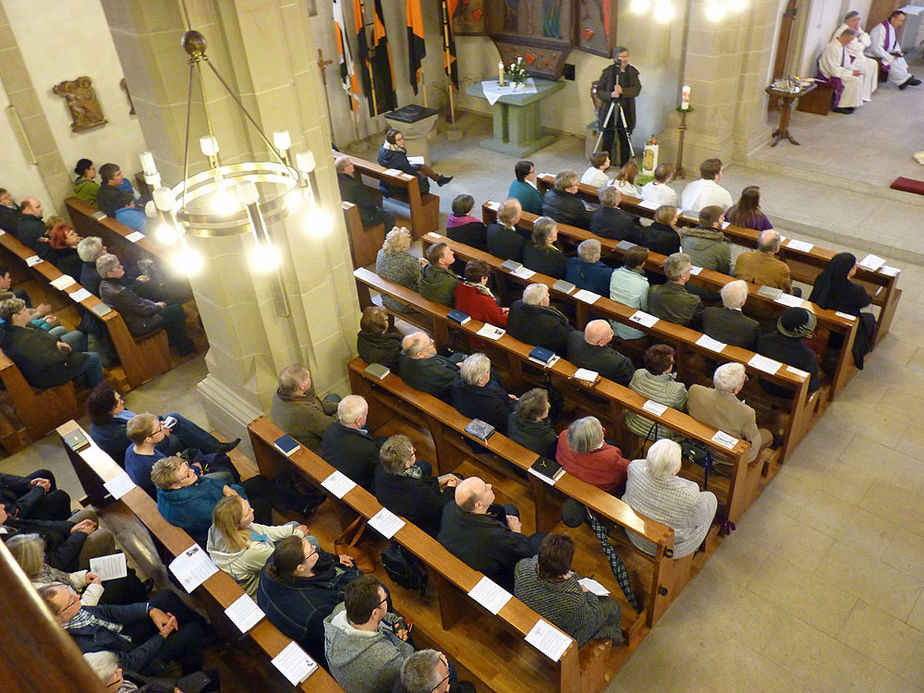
column 437, row 282
column 298, row 411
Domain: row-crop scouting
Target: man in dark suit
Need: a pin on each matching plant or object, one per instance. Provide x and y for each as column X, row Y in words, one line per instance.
column 505, row 240
column 478, row 395
column 421, row 367
column 611, row 222
column 534, row 321
column 591, row 349
column 347, row 444
column 29, row 227
column 354, row 191
column 9, row 211
column 729, row 324
column 562, row 204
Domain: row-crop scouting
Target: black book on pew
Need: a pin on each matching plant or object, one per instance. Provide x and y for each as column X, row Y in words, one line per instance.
column 377, row 370
column 286, row 444
column 544, row 356
column 458, row 316
column 76, row 440
column 547, row 469
column 482, row 430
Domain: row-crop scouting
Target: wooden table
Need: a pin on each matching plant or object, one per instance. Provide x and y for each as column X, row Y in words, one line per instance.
column 787, row 100
column 517, row 127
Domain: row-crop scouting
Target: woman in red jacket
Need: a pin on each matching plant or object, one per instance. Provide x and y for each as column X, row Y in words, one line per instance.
column 475, row 298
column 582, row 451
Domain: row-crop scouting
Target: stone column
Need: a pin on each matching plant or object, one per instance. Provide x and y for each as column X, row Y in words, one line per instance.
column 264, row 50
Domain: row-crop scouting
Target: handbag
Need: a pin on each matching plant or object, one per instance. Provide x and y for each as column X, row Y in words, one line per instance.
column 347, row 543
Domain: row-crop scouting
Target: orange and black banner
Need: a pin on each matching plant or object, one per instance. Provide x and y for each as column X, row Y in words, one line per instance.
column 384, row 80
column 347, row 72
column 362, row 52
column 449, row 42
column 416, row 49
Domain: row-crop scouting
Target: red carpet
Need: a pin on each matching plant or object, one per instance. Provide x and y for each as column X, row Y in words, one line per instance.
column 908, row 185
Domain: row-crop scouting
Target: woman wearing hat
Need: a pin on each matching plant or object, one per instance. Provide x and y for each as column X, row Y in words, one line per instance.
column 787, row 345
column 85, row 185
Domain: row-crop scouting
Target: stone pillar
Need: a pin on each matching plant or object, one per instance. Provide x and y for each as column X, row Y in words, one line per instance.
column 264, row 50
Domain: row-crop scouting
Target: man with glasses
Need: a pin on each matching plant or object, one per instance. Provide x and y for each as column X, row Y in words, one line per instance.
column 428, row 671
column 672, row 301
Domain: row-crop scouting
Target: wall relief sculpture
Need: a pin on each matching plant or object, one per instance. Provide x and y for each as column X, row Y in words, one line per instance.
column 85, row 110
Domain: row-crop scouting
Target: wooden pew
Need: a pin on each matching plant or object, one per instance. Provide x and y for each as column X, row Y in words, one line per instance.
column 94, row 467
column 481, row 654
column 804, row 265
column 365, row 241
column 39, row 410
column 424, row 207
column 829, row 320
column 606, row 399
column 141, row 360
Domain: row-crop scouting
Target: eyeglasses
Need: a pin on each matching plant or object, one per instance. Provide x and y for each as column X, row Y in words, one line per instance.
column 314, row 550
column 446, row 677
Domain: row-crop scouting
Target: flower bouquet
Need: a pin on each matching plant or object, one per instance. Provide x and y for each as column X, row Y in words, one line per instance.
column 516, row 73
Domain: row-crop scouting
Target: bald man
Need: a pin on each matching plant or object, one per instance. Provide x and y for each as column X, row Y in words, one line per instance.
column 591, row 349
column 487, row 536
column 30, row 227
column 421, row 367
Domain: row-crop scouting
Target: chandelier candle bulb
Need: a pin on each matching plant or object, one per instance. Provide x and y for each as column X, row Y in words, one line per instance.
column 248, row 193
column 282, row 140
column 685, row 98
column 147, row 164
column 208, row 145
column 164, row 200
column 304, row 161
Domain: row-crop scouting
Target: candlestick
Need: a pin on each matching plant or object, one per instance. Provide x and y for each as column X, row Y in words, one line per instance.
column 500, row 72
column 685, row 99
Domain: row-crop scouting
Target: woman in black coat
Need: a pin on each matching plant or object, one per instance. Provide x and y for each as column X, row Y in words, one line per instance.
column 834, row 290
column 376, row 342
column 529, row 425
column 540, row 255
column 393, row 154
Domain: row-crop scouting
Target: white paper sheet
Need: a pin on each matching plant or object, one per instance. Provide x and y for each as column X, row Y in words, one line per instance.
column 339, row 484
column 434, row 236
column 648, row 204
column 392, row 172
column 594, row 586
column 655, row 408
column 586, row 374
column 797, row 371
column 62, row 282
column 294, row 663
column 33, row 260
column 80, row 295
column 800, row 245
column 846, row 316
column 710, row 343
column 889, row 271
column 541, row 477
column 134, row 237
column 2, row 232
column 386, row 523
column 725, row 440
column 491, row 331
column 120, row 485
column 643, row 318
column 193, row 567
column 548, row 640
column 523, row 273
column 587, row 296
column 789, row 300
column 490, row 595
column 694, row 270
column 244, row 613
column 762, row 363
column 109, row 567
column 872, row 262
column 493, row 205
column 416, row 160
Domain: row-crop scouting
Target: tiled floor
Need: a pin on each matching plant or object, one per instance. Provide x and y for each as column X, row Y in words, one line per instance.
column 821, row 588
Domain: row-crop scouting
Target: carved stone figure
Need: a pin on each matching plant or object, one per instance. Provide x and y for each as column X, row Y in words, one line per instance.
column 86, row 112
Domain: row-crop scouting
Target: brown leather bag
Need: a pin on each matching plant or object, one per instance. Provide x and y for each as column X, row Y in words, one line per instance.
column 348, row 542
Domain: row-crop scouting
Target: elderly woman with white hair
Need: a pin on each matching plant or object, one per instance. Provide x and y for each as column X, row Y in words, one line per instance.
column 720, row 407
column 728, row 324
column 582, row 451
column 587, row 271
column 478, row 395
column 107, row 667
column 396, row 264
column 654, row 490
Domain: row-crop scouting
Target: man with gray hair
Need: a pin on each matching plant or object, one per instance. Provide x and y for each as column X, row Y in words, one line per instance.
column 855, row 49
column 835, row 63
column 761, row 266
column 429, row 671
column 421, row 367
column 728, row 324
column 720, row 407
column 298, row 411
column 353, row 190
column 591, row 349
column 348, row 446
column 534, row 321
column 672, row 301
column 610, row 221
column 478, row 395
column 562, row 203
column 504, row 239
column 587, row 271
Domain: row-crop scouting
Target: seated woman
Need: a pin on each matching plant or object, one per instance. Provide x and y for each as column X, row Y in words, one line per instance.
column 85, row 185
column 141, row 315
column 540, row 255
column 475, row 298
column 835, row 290
column 654, row 490
column 529, row 423
column 396, row 264
column 393, row 154
column 663, row 236
column 548, row 586
column 376, row 341
column 62, row 246
column 240, row 546
column 658, row 190
column 299, row 587
column 595, row 174
column 629, row 286
column 624, row 180
column 746, row 212
column 582, row 451
column 478, row 395
column 109, row 418
column 407, row 487
column 461, row 226
column 656, row 382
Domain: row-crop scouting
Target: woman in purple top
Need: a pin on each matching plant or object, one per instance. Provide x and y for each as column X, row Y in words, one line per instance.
column 746, row 213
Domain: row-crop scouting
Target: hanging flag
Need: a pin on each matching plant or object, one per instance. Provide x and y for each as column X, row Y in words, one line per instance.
column 449, row 42
column 416, row 49
column 382, row 75
column 347, row 72
column 362, row 53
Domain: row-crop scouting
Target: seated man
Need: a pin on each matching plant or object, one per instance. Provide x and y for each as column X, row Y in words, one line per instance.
column 34, row 496
column 186, row 498
column 88, row 250
column 347, row 444
column 437, row 282
column 540, row 253
column 298, row 411
column 534, row 321
column 353, row 190
column 42, row 317
column 428, row 671
column 591, row 349
column 487, row 536
column 478, row 395
column 524, row 187
column 611, row 222
column 562, row 203
column 706, row 244
column 129, row 214
column 407, row 487
column 461, row 226
column 835, row 63
column 706, row 191
column 885, row 46
column 504, row 239
column 786, row 345
column 587, row 271
column 672, row 301
column 720, row 407
column 69, row 544
column 106, row 667
column 658, row 190
column 30, row 229
column 9, row 211
column 761, row 266
column 145, row 636
column 363, row 643
column 728, row 324
column 423, row 369
column 44, row 360
column 109, row 198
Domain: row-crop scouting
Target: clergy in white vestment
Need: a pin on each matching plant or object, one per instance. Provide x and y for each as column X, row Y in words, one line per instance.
column 856, row 48
column 884, row 46
column 706, row 191
column 835, row 62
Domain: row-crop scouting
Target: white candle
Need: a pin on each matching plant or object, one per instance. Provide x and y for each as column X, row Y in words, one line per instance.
column 500, row 71
column 685, row 99
column 147, row 164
